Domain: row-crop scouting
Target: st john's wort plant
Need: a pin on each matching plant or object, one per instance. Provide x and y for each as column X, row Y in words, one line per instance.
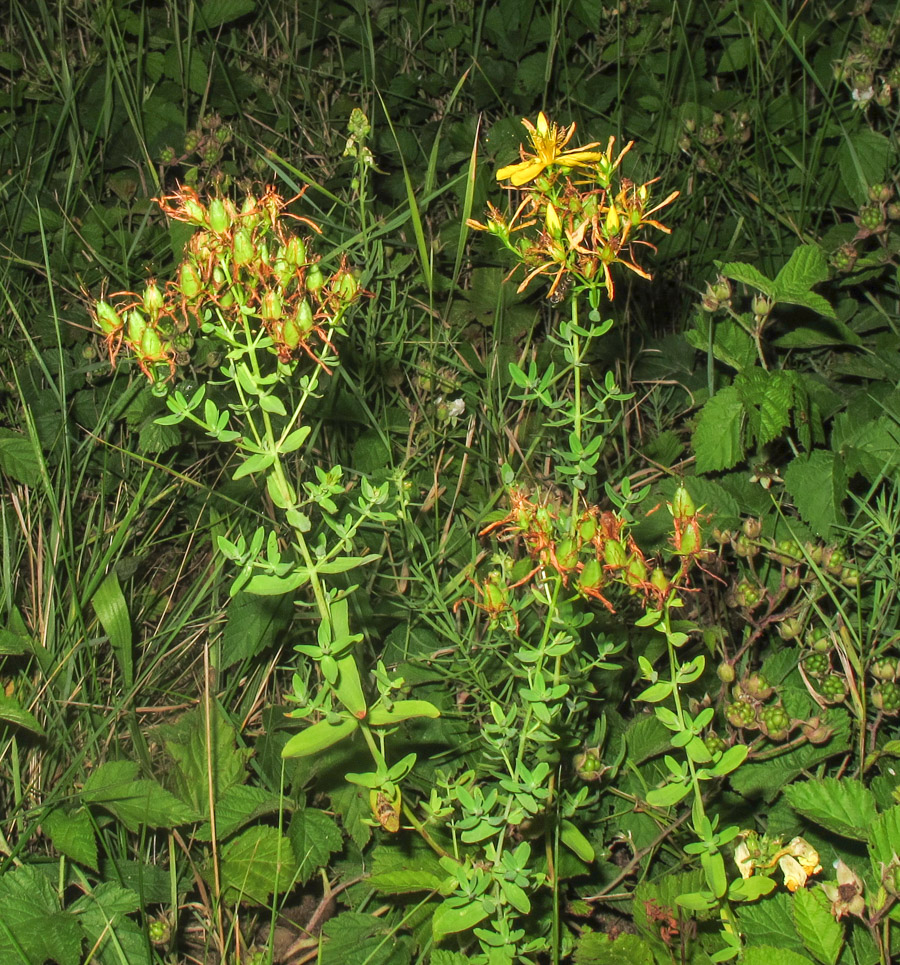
column 258, row 296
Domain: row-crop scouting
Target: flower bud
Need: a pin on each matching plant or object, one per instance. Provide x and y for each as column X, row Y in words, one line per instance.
column 108, row 320
column 189, row 281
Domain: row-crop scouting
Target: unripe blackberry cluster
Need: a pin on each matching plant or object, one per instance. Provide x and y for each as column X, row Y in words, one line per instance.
column 885, row 692
column 749, row 710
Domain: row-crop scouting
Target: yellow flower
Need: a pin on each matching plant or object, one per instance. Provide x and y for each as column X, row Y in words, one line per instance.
column 806, row 855
column 548, row 141
column 794, row 875
column 743, row 860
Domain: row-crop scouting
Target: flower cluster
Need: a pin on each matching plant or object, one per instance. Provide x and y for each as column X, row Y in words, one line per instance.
column 247, row 265
column 760, row 853
column 590, row 548
column 572, row 231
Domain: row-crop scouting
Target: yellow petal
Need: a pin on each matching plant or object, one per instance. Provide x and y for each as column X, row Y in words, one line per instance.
column 522, row 172
column 543, row 125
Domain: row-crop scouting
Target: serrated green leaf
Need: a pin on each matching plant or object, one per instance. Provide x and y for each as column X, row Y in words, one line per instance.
column 884, row 840
column 18, row 458
column 237, row 807
column 820, row 933
column 72, row 834
column 135, row 802
column 806, row 267
column 214, row 13
column 33, row 924
column 113, row 938
column 747, row 275
column 256, row 864
column 353, row 936
column 767, row 955
column 315, row 837
column 817, row 484
column 863, row 158
column 206, row 755
column 843, row 806
column 13, row 644
column 770, row 922
column 775, row 407
column 598, row 948
column 768, row 778
column 717, row 438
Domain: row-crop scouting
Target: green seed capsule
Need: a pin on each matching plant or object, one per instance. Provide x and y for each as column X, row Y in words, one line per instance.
column 682, row 504
column 242, row 248
column 295, row 253
column 314, row 279
column 592, row 575
column 194, row 211
column 108, row 319
column 304, row 319
column 348, row 286
column 283, row 271
column 189, row 281
column 290, row 332
column 219, row 220
column 151, row 346
column 272, row 306
column 614, row 554
column 136, row 324
column 153, row 300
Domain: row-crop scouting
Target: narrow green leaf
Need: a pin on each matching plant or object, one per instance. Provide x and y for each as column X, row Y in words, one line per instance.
column 112, row 612
column 318, row 737
column 575, row 841
column 402, row 710
column 14, row 713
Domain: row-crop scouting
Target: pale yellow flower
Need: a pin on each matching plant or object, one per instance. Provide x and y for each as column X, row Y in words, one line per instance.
column 743, row 860
column 806, row 855
column 794, row 875
column 548, row 141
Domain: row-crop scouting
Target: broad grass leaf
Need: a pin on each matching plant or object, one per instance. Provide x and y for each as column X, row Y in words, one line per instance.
column 12, row 712
column 844, row 806
column 255, row 864
column 72, row 834
column 315, row 837
column 34, row 926
column 717, row 439
column 817, row 483
column 597, row 948
column 135, row 802
column 820, row 933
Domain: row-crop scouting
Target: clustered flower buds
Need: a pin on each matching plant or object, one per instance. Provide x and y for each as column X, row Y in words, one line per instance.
column 592, row 549
column 245, row 265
